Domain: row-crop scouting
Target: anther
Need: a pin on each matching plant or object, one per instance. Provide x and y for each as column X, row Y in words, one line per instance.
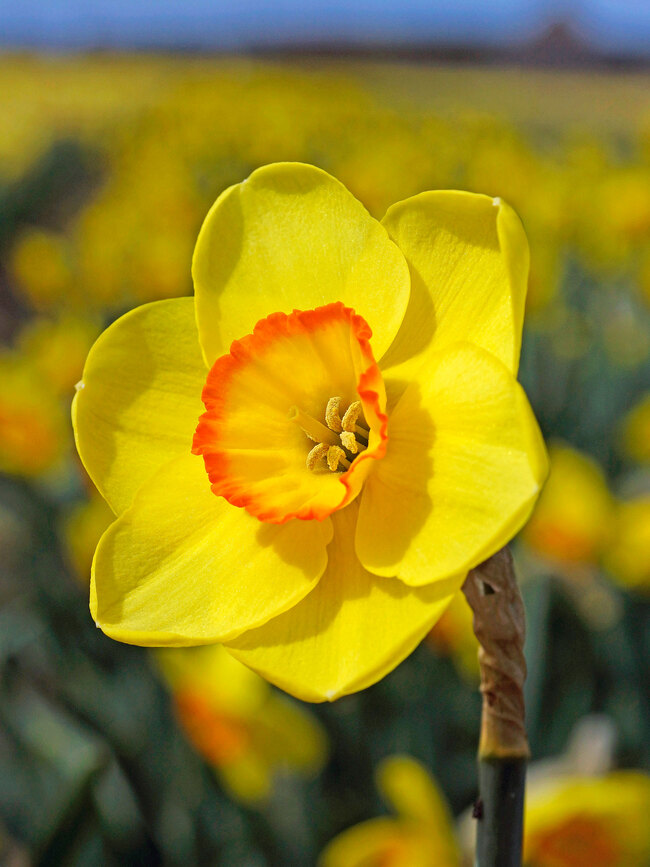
column 336, row 456
column 317, row 454
column 333, row 415
column 350, row 443
column 349, row 421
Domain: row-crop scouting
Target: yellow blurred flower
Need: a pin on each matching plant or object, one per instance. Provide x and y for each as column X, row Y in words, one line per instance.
column 83, row 526
column 233, row 718
column 453, row 635
column 625, row 202
column 173, row 145
column 545, row 267
column 573, row 517
column 33, row 427
column 42, row 268
column 594, row 821
column 57, row 348
column 636, row 431
column 420, row 835
column 627, row 558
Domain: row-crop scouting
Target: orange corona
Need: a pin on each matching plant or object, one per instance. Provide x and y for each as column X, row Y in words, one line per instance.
column 264, row 401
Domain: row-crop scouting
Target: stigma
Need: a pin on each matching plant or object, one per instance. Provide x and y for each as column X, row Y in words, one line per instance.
column 339, row 440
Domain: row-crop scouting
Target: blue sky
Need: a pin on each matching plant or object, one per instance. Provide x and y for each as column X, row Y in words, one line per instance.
column 612, row 24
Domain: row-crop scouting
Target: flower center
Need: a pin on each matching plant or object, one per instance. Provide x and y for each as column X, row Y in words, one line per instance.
column 579, row 840
column 338, row 444
column 272, row 441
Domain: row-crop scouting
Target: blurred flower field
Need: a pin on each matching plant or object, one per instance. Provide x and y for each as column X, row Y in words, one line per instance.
column 113, row 755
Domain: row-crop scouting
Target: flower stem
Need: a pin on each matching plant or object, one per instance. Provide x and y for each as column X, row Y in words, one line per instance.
column 499, row 623
column 500, row 824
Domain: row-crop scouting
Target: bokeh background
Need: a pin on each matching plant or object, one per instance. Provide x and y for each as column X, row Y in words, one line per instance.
column 121, row 124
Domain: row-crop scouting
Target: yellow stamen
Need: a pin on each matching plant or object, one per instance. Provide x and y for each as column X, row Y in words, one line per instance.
column 316, row 455
column 331, row 441
column 314, row 429
column 336, row 456
column 332, row 414
column 349, row 421
column 350, row 443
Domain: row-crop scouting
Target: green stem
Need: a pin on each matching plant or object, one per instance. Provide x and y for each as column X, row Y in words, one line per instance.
column 499, row 624
column 500, row 824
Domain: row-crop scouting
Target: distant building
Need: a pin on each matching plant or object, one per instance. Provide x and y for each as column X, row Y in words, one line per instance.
column 560, row 44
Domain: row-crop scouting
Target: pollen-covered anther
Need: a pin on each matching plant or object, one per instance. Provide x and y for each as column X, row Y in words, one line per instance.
column 336, row 456
column 349, row 421
column 335, row 446
column 332, row 455
column 317, row 455
column 350, row 443
column 333, row 414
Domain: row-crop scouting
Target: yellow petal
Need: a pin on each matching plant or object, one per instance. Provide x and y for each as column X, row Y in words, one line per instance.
column 213, row 673
column 468, row 257
column 628, row 556
column 140, row 397
column 381, row 841
column 288, row 736
column 291, row 236
column 248, row 779
column 409, row 788
column 182, row 566
column 350, row 631
column 464, row 464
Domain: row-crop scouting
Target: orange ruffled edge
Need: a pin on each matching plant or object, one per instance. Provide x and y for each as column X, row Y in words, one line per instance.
column 370, row 389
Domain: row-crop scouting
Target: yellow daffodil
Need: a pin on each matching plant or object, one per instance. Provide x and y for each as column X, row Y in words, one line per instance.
column 319, row 516
column 453, row 635
column 57, row 349
column 33, row 429
column 238, row 724
column 41, row 267
column 573, row 518
column 595, row 821
column 627, row 558
column 82, row 528
column 421, row 834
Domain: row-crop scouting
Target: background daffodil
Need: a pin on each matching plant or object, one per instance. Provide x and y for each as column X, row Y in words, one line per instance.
column 364, row 440
column 243, row 728
column 572, row 820
column 421, row 834
column 573, row 519
column 600, row 821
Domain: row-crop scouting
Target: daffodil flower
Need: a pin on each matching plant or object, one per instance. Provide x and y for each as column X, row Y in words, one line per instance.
column 572, row 522
column 420, row 834
column 242, row 727
column 307, row 458
column 600, row 821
